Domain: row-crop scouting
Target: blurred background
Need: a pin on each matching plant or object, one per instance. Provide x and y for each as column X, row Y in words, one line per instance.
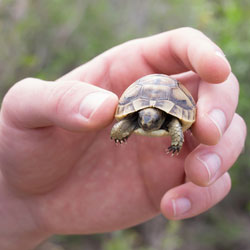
column 46, row 39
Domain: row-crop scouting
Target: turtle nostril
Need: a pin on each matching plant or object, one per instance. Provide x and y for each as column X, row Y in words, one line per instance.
column 144, row 126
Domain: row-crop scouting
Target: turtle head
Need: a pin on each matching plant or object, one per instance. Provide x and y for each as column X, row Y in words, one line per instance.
column 151, row 119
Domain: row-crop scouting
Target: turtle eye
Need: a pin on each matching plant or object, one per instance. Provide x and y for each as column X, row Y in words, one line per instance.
column 156, row 118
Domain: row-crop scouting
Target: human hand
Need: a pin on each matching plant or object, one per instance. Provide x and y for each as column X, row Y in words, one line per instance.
column 67, row 177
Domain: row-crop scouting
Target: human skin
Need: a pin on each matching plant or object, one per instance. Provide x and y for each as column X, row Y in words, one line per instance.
column 61, row 173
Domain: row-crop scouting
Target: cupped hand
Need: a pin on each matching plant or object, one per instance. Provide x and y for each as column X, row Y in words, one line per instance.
column 56, row 155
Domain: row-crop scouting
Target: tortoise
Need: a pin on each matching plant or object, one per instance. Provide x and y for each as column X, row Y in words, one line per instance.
column 155, row 105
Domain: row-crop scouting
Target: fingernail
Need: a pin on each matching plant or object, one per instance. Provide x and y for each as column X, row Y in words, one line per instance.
column 181, row 206
column 91, row 103
column 219, row 119
column 223, row 56
column 212, row 164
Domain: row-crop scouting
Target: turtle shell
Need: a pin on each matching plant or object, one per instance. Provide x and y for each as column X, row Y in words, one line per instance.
column 158, row 91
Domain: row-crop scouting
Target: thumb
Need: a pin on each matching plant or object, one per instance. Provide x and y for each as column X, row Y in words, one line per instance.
column 72, row 105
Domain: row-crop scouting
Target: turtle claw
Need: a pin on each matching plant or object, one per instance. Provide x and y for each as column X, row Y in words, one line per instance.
column 121, row 141
column 174, row 149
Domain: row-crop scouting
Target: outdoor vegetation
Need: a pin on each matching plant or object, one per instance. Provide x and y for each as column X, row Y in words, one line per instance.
column 46, row 39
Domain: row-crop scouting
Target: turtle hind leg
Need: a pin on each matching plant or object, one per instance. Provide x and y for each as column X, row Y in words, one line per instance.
column 177, row 137
column 122, row 130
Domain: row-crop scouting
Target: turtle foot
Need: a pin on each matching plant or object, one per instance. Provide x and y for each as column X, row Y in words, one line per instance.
column 177, row 137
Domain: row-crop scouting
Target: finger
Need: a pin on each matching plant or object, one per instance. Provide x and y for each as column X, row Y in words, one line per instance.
column 189, row 200
column 216, row 106
column 75, row 106
column 170, row 52
column 207, row 163
column 187, row 49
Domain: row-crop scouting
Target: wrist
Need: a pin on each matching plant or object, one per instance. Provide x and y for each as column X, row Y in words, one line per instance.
column 18, row 228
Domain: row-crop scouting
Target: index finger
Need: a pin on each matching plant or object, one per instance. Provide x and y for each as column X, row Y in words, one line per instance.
column 187, row 49
column 170, row 52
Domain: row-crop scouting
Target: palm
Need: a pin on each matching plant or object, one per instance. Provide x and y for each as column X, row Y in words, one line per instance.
column 129, row 179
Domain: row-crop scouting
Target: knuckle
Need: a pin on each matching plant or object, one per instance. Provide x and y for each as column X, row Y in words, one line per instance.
column 25, row 85
column 16, row 96
column 191, row 30
column 217, row 191
column 242, row 124
column 230, row 90
column 235, row 82
column 27, row 80
column 241, row 131
column 14, row 92
column 21, row 87
column 227, row 183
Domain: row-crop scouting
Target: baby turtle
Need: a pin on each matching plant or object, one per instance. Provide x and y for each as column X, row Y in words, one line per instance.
column 155, row 105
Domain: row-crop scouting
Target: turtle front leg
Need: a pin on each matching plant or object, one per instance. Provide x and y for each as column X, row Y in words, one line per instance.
column 122, row 130
column 177, row 137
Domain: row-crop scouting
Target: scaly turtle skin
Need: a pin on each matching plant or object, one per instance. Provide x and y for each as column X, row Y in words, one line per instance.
column 155, row 105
